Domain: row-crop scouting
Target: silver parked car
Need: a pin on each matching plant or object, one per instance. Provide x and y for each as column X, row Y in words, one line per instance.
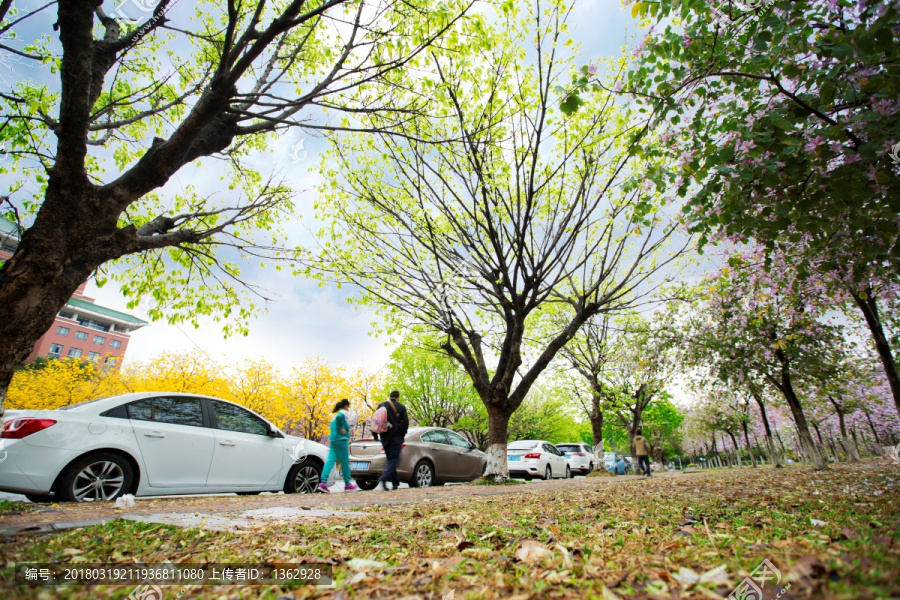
column 430, row 456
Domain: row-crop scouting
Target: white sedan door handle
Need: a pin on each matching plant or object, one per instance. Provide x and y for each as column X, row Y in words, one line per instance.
column 226, row 443
column 155, row 434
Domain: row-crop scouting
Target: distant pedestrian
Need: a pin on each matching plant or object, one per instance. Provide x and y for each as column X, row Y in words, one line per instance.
column 392, row 439
column 642, row 449
column 339, row 448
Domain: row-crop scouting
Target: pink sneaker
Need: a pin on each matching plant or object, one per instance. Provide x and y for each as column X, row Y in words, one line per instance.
column 323, row 489
column 350, row 487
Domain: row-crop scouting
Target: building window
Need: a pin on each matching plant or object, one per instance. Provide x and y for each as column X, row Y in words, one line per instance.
column 63, row 331
column 115, row 344
column 93, row 324
column 81, row 335
column 55, row 350
column 74, row 352
column 99, row 339
column 94, row 356
column 66, row 315
column 111, row 360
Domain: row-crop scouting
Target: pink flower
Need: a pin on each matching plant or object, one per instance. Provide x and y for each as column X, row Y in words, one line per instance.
column 592, row 69
column 687, row 40
column 814, row 143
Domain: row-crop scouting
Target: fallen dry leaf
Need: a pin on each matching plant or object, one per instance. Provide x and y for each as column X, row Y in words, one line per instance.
column 532, row 552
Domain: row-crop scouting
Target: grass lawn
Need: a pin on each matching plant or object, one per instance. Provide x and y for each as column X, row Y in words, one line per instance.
column 696, row 535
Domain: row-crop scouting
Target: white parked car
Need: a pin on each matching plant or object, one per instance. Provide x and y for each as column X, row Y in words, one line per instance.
column 536, row 458
column 579, row 455
column 149, row 444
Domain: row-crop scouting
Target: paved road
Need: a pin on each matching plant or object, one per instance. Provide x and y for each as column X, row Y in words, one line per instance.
column 187, row 509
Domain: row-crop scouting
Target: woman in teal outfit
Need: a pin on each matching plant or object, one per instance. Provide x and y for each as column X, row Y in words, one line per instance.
column 339, row 449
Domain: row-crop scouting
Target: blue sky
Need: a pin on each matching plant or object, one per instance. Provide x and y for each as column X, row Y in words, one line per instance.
column 306, row 320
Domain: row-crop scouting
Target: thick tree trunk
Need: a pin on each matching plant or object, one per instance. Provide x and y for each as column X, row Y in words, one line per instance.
column 34, row 285
column 869, row 308
column 498, row 433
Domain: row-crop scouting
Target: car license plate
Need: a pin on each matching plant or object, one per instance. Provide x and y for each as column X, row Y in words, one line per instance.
column 513, row 458
column 359, row 466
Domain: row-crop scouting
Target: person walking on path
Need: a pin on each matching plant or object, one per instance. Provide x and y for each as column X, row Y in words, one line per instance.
column 642, row 449
column 392, row 439
column 339, row 447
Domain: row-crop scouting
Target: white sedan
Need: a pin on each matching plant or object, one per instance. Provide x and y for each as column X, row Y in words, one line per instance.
column 150, row 444
column 536, row 458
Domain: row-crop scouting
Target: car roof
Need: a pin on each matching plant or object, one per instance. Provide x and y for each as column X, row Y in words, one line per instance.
column 100, row 405
column 427, row 428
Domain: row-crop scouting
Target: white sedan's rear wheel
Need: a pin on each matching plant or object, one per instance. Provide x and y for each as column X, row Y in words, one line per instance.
column 548, row 473
column 102, row 476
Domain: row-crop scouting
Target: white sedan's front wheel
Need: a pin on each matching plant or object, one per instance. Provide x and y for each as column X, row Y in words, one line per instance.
column 303, row 478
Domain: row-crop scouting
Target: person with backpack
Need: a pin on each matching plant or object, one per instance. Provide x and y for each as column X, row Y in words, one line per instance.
column 339, row 448
column 389, row 425
column 642, row 449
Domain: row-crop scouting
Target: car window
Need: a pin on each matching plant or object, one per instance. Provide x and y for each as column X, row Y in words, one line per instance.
column 178, row 411
column 568, row 448
column 234, row 418
column 457, row 440
column 523, row 445
column 142, row 410
column 435, row 437
column 551, row 449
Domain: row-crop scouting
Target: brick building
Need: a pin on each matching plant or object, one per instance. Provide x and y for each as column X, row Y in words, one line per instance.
column 82, row 329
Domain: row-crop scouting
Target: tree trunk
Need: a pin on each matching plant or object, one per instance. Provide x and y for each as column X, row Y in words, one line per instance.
column 856, row 443
column 596, row 418
column 781, row 443
column 872, row 426
column 737, row 452
column 770, row 440
column 34, row 286
column 823, row 444
column 806, row 441
column 747, row 442
column 498, row 433
column 869, row 308
column 849, row 449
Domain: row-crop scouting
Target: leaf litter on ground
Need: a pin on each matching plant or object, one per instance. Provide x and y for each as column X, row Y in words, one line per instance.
column 677, row 536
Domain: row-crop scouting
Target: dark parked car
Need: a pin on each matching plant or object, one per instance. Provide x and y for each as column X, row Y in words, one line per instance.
column 430, row 456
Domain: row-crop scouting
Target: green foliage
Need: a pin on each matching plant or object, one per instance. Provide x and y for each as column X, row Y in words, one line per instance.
column 783, row 116
column 158, row 87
